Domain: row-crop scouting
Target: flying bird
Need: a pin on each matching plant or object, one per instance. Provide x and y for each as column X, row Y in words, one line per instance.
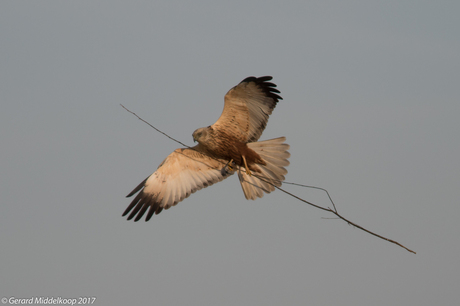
column 229, row 145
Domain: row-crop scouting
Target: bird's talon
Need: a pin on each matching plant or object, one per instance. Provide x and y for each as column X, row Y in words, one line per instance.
column 248, row 172
column 229, row 165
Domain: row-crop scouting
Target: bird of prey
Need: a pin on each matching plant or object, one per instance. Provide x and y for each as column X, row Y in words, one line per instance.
column 227, row 146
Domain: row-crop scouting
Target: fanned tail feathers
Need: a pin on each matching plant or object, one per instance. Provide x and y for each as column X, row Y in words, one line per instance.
column 274, row 153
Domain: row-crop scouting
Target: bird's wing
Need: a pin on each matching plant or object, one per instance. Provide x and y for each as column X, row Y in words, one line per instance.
column 182, row 173
column 247, row 107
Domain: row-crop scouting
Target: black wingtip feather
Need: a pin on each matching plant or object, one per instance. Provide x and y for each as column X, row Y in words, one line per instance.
column 136, row 209
column 132, row 204
column 142, row 204
column 150, row 213
column 267, row 87
column 139, row 187
column 141, row 212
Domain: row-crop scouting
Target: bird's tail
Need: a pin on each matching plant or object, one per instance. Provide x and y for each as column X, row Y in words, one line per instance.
column 274, row 153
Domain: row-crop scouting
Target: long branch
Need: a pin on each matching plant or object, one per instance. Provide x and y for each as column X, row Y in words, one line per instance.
column 333, row 211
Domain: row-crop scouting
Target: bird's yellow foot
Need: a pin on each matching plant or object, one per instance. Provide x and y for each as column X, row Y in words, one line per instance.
column 248, row 172
column 229, row 165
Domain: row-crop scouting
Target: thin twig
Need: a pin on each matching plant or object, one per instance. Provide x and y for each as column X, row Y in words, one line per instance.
column 314, row 187
column 372, row 233
column 155, row 127
column 333, row 211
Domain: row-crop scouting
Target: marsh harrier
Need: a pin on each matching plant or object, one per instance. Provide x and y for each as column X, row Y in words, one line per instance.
column 229, row 143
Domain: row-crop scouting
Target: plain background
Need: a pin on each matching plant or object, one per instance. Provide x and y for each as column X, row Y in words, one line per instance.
column 371, row 110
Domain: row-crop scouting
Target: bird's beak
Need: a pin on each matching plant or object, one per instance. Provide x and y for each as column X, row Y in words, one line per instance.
column 194, row 140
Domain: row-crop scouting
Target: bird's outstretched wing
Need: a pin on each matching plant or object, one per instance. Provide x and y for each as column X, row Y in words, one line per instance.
column 182, row 173
column 247, row 107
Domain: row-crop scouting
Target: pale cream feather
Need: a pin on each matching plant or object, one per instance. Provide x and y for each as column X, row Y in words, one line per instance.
column 182, row 173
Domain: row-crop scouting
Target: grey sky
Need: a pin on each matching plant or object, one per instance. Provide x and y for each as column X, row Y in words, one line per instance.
column 371, row 111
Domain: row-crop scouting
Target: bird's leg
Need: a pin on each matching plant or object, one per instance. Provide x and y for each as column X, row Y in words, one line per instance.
column 229, row 165
column 248, row 172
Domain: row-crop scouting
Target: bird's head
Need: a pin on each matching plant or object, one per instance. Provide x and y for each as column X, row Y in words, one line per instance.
column 200, row 135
